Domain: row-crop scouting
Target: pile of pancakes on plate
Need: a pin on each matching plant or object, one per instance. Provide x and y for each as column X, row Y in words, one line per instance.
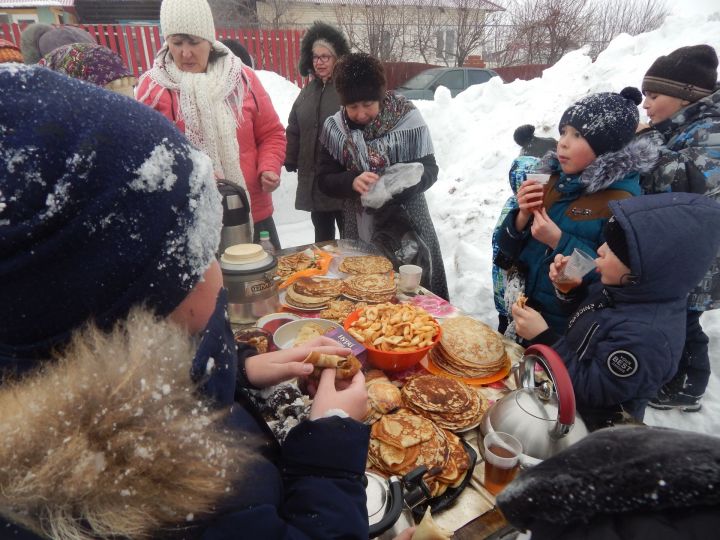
column 313, row 292
column 373, row 288
column 289, row 264
column 383, row 396
column 402, row 441
column 451, row 404
column 370, row 279
column 469, row 349
column 338, row 310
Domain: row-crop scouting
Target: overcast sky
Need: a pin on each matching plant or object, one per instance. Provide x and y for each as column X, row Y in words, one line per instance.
column 692, row 7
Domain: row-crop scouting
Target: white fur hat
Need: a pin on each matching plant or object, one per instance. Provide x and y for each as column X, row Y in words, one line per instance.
column 192, row 17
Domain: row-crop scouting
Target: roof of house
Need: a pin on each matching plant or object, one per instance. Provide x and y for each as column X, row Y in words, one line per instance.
column 488, row 6
column 36, row 3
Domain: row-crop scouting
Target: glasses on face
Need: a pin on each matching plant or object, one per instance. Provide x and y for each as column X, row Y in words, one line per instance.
column 322, row 58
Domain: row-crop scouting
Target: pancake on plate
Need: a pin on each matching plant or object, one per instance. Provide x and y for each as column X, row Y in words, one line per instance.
column 366, row 264
column 369, row 288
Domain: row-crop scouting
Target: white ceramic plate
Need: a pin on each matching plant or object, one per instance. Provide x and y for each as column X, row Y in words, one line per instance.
column 284, row 337
column 282, row 296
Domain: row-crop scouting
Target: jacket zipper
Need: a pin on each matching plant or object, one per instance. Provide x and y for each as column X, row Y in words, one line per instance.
column 586, row 340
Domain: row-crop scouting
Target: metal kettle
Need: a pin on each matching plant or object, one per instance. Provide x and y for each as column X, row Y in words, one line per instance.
column 543, row 420
column 236, row 227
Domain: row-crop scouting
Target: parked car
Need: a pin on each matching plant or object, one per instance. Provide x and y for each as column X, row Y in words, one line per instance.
column 455, row 79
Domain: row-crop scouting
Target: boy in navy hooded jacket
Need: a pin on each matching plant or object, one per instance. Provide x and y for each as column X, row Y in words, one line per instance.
column 625, row 339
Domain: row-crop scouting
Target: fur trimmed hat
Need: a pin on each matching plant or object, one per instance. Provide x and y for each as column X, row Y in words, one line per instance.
column 359, row 77
column 96, row 215
column 191, row 17
column 606, row 120
column 39, row 39
column 9, row 52
column 531, row 145
column 320, row 31
column 688, row 73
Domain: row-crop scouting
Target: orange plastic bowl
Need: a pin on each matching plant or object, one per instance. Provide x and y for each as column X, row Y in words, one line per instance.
column 389, row 360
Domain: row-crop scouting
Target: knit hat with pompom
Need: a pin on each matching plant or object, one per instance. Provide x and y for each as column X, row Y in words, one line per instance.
column 606, row 120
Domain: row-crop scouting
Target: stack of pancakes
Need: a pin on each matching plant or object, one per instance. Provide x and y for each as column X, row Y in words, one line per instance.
column 449, row 403
column 469, row 348
column 313, row 292
column 373, row 288
column 366, row 264
column 338, row 310
column 289, row 264
column 383, row 396
column 402, row 441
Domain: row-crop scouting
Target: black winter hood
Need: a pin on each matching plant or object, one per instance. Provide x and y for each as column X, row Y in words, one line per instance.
column 320, row 30
column 672, row 239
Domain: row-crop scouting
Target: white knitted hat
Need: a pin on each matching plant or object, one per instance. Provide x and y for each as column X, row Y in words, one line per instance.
column 192, row 17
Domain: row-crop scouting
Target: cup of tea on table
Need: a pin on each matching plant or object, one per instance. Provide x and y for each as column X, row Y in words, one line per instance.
column 409, row 280
column 502, row 460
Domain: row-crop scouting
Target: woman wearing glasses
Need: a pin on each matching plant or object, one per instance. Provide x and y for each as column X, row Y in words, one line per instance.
column 321, row 48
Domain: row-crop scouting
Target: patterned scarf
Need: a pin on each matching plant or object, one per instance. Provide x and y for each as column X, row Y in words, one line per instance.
column 210, row 106
column 398, row 134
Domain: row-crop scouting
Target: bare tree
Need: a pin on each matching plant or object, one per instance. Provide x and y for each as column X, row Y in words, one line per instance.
column 279, row 15
column 424, row 21
column 468, row 19
column 376, row 27
column 625, row 16
column 234, row 12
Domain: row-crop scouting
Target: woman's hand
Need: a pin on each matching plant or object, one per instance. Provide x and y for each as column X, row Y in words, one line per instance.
column 352, row 400
column 364, row 181
column 544, row 229
column 269, row 181
column 528, row 322
column 407, row 534
column 529, row 198
column 275, row 367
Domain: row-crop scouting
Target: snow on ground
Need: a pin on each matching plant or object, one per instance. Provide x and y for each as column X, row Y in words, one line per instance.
column 474, row 147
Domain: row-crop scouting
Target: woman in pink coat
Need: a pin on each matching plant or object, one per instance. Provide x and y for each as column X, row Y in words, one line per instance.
column 220, row 105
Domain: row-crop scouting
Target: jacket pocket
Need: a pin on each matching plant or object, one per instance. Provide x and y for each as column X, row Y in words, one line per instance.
column 584, row 344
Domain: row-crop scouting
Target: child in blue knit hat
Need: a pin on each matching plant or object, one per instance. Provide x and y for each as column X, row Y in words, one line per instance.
column 124, row 401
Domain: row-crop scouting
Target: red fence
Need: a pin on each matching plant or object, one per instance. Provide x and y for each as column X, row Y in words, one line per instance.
column 273, row 50
column 397, row 73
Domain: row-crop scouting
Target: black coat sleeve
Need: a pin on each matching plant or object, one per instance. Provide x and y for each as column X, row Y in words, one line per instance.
column 334, row 180
column 292, row 136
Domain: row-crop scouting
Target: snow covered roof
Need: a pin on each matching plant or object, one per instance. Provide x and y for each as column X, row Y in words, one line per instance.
column 36, row 3
column 488, row 6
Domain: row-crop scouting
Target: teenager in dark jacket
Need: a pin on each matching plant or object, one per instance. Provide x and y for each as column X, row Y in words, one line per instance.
column 624, row 483
column 594, row 164
column 376, row 132
column 322, row 46
column 682, row 100
column 124, row 412
column 624, row 341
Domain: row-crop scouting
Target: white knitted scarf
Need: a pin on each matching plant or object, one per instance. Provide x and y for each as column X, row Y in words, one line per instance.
column 210, row 106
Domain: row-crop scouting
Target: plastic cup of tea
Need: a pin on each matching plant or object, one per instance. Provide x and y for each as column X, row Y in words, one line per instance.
column 579, row 264
column 502, row 460
column 410, row 276
column 540, row 178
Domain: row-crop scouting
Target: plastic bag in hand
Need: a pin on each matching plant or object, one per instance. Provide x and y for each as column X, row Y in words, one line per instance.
column 394, row 179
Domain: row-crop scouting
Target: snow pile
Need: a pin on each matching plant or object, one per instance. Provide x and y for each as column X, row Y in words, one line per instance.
column 472, row 134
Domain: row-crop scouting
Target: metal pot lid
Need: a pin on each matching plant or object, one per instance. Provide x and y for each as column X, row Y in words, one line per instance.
column 530, row 402
column 377, row 492
column 269, row 262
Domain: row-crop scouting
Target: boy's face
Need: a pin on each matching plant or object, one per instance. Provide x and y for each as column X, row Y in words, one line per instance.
column 611, row 269
column 574, row 152
column 660, row 107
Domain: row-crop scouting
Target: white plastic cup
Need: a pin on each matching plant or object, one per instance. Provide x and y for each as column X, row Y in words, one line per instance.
column 502, row 460
column 579, row 264
column 540, row 178
column 410, row 276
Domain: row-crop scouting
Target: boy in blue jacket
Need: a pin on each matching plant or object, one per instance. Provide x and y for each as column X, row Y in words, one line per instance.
column 625, row 339
column 593, row 165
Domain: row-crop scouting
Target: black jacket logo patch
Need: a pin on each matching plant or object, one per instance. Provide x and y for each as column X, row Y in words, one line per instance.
column 622, row 363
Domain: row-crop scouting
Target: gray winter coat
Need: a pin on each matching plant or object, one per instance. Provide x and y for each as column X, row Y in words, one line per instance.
column 316, row 102
column 690, row 162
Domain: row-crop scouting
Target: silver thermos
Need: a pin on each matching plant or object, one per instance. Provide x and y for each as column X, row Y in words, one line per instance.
column 236, row 216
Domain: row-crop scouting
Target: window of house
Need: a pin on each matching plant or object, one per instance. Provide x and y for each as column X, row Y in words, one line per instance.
column 445, row 41
column 5, row 18
column 453, row 80
column 478, row 77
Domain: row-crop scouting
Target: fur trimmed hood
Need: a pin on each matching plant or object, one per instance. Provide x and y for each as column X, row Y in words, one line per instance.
column 320, row 30
column 111, row 439
column 640, row 155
